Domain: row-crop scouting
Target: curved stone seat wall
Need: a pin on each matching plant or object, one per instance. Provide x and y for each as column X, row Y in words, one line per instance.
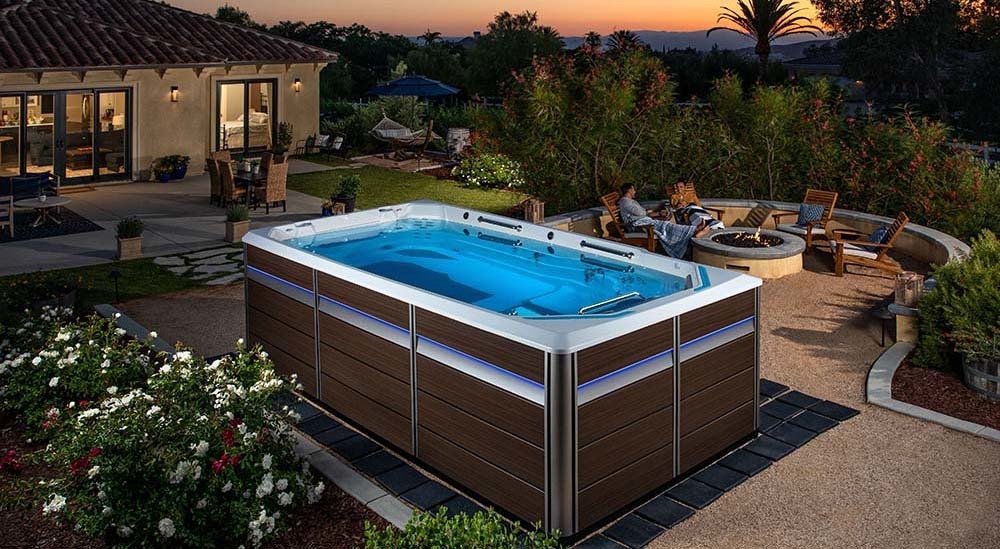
column 920, row 242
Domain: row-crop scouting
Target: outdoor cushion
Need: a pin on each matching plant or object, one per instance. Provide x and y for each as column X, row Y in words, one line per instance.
column 851, row 249
column 801, row 229
column 878, row 236
column 322, row 140
column 809, row 213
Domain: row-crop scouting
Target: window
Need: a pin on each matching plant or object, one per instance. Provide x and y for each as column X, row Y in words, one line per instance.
column 10, row 136
column 246, row 115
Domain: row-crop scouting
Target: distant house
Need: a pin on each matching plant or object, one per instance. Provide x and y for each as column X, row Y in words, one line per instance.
column 95, row 90
column 470, row 42
column 817, row 62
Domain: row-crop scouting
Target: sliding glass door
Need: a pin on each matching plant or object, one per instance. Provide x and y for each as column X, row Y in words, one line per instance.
column 246, row 113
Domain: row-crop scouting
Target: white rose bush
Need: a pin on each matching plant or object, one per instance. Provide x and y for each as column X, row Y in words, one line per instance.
column 155, row 449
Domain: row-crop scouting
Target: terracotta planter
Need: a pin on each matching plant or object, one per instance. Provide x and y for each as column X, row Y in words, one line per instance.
column 129, row 248
column 236, row 229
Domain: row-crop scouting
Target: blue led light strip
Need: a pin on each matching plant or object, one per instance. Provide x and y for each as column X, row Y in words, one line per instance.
column 719, row 331
column 481, row 362
column 362, row 313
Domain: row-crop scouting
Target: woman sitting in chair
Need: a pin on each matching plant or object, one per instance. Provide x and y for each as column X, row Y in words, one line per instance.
column 675, row 238
column 688, row 212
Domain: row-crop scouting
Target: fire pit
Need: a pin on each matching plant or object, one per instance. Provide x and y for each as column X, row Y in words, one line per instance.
column 760, row 252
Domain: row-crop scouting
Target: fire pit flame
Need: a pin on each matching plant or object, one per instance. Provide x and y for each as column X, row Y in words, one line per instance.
column 748, row 240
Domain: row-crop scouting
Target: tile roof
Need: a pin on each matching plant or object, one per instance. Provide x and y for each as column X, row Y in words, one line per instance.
column 95, row 34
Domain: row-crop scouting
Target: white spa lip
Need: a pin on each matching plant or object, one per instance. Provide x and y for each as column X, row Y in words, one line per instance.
column 553, row 335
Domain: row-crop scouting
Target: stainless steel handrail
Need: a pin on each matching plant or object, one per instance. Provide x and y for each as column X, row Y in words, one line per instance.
column 605, row 303
column 585, row 244
column 499, row 239
column 606, row 265
column 499, row 223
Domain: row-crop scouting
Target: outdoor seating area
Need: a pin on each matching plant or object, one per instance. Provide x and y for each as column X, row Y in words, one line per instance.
column 257, row 182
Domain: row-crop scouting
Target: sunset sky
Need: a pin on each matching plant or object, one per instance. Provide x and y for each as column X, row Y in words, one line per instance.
column 451, row 17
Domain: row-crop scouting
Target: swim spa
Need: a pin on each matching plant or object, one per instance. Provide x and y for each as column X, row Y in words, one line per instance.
column 558, row 377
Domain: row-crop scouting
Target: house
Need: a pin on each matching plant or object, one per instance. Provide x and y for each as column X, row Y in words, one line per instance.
column 96, row 90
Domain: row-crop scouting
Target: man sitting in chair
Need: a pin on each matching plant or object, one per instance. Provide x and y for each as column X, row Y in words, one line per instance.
column 675, row 238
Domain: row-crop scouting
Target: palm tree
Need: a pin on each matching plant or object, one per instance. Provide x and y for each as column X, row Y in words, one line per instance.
column 593, row 40
column 430, row 37
column 622, row 41
column 766, row 21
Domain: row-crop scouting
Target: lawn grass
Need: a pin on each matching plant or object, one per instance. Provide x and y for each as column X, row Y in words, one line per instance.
column 384, row 187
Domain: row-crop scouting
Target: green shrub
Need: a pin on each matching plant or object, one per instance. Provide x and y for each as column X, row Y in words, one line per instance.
column 349, row 185
column 494, row 171
column 356, row 127
column 962, row 313
column 130, row 227
column 481, row 531
column 286, row 134
column 237, row 212
column 30, row 290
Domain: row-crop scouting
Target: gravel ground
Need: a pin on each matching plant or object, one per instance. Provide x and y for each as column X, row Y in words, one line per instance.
column 879, row 480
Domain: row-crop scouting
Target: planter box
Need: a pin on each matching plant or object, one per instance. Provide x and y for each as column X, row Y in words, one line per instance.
column 129, row 248
column 236, row 229
column 982, row 376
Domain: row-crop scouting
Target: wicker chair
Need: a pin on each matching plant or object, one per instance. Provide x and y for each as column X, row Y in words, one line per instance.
column 266, row 161
column 274, row 189
column 222, row 156
column 230, row 192
column 215, row 184
column 7, row 213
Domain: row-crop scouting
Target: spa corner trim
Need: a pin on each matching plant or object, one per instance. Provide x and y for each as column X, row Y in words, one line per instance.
column 561, row 442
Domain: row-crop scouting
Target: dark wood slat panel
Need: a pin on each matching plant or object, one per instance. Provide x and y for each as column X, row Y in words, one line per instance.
column 716, row 365
column 282, row 336
column 613, row 411
column 716, row 401
column 626, row 486
column 281, row 307
column 280, row 267
column 286, row 365
column 709, row 318
column 625, row 446
column 491, row 482
column 367, row 413
column 620, row 352
column 513, row 455
column 495, row 406
column 374, row 351
column 699, row 446
column 520, row 359
column 370, row 382
column 361, row 298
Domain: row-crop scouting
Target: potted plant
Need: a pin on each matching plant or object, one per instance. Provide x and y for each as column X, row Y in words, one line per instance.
column 237, row 222
column 162, row 170
column 285, row 138
column 348, row 194
column 178, row 165
column 129, row 234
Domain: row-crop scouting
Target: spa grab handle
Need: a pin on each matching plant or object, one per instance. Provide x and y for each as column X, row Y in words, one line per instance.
column 585, row 244
column 605, row 303
column 499, row 223
column 605, row 264
column 499, row 239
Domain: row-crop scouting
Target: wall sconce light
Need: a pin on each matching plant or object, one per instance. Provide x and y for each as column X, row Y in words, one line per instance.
column 174, row 92
column 297, row 85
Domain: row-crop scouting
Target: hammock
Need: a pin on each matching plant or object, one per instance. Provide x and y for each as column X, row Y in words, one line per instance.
column 399, row 136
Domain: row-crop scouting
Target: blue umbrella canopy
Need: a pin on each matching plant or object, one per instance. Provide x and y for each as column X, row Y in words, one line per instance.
column 414, row 86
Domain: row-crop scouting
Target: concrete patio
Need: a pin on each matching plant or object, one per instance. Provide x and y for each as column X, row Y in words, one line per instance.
column 177, row 217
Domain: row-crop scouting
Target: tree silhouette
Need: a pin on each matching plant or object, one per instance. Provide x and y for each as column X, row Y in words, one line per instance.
column 765, row 21
column 623, row 41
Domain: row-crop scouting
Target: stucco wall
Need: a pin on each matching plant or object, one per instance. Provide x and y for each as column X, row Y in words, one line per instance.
column 161, row 127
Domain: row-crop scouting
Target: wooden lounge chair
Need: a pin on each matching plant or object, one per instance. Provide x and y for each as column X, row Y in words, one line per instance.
column 643, row 239
column 684, row 194
column 813, row 230
column 755, row 218
column 275, row 187
column 850, row 246
column 7, row 213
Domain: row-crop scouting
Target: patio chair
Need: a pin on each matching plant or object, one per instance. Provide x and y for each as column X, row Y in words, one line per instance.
column 684, row 194
column 755, row 218
column 853, row 247
column 336, row 145
column 810, row 230
column 643, row 239
column 230, row 192
column 274, row 188
column 266, row 161
column 32, row 185
column 222, row 156
column 7, row 213
column 215, row 184
column 305, row 146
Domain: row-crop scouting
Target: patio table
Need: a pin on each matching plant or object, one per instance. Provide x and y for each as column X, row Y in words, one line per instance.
column 43, row 208
column 250, row 180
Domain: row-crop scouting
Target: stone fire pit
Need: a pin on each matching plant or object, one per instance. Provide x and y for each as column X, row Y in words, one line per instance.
column 764, row 254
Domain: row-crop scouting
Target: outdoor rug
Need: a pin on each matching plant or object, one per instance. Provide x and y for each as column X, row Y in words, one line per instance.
column 72, row 223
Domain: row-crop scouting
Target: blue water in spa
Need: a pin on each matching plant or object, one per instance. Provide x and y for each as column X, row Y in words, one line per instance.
column 485, row 268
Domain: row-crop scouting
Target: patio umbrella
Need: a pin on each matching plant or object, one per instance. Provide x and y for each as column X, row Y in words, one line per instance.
column 414, row 86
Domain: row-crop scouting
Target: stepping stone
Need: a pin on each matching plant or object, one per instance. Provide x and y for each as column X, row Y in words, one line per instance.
column 170, row 260
column 745, row 462
column 428, row 494
column 770, row 448
column 771, row 389
column 791, row 434
column 401, row 479
column 354, row 447
column 228, row 279
column 179, row 270
column 796, row 398
column 458, row 505
column 377, row 463
column 694, row 493
column 214, row 260
column 305, row 410
column 768, row 422
column 221, row 268
column 665, row 511
column 208, row 253
column 634, row 531
column 834, row 410
column 813, row 421
column 720, row 477
column 333, row 436
column 317, row 425
column 779, row 409
column 598, row 542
